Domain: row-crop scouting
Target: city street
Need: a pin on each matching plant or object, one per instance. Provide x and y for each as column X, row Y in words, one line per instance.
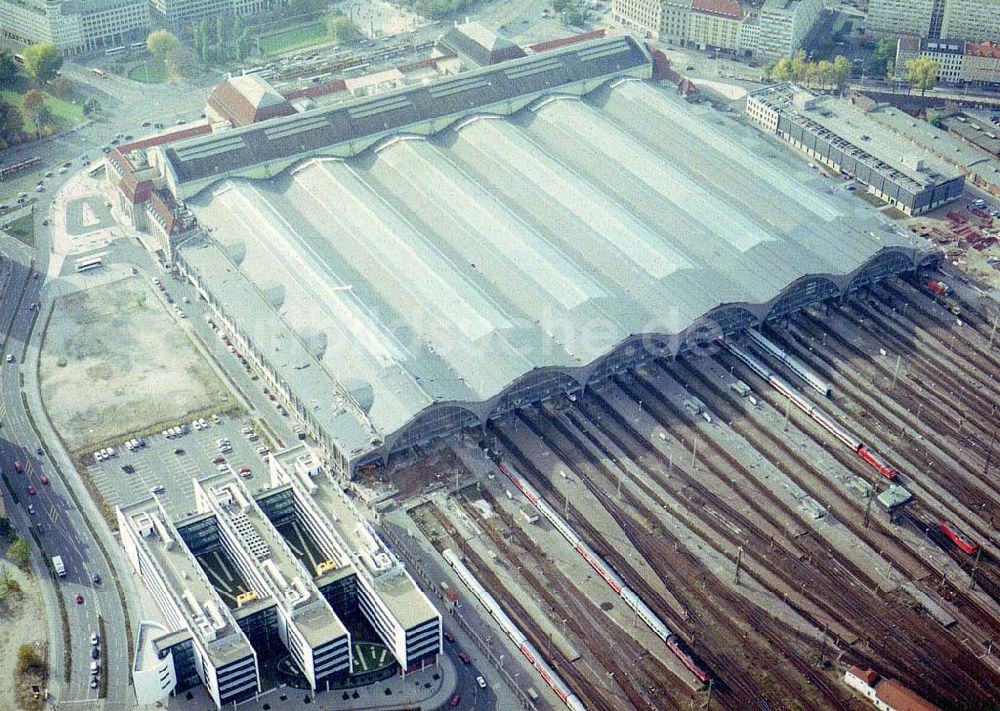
column 62, row 529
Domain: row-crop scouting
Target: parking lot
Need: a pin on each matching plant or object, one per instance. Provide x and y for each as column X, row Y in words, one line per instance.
column 156, row 464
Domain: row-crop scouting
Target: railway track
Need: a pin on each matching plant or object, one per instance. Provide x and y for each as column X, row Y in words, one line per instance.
column 569, row 604
column 734, row 691
column 854, row 610
column 941, row 683
column 930, row 508
column 657, row 552
column 578, row 681
column 937, row 460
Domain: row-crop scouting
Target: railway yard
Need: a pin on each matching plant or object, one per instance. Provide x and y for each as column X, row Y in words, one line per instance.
column 705, row 539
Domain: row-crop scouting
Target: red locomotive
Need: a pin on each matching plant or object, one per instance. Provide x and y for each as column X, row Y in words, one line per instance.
column 958, row 537
column 680, row 649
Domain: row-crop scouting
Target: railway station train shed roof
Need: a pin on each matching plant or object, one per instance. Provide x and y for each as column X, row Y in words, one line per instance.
column 433, row 281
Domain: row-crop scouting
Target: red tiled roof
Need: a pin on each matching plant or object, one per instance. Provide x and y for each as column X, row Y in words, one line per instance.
column 233, row 105
column 563, row 41
column 163, row 138
column 900, row 698
column 135, row 191
column 866, row 675
column 117, row 155
column 327, row 87
column 165, row 211
column 722, row 8
column 983, row 49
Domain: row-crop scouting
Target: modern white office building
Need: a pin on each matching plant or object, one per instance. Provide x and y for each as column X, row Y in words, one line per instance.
column 785, row 25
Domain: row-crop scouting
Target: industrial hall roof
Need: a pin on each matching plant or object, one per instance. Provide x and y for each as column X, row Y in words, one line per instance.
column 438, row 274
column 200, row 159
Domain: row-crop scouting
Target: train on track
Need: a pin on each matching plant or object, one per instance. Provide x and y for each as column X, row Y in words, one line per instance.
column 526, row 648
column 797, row 367
column 814, row 412
column 958, row 537
column 642, row 610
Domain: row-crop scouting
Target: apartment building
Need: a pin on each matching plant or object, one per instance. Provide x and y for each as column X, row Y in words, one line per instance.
column 307, row 626
column 950, row 56
column 715, row 24
column 785, row 25
column 74, row 26
column 976, row 63
column 203, row 643
column 900, row 17
column 665, row 20
column 971, row 20
column 357, row 559
column 981, row 64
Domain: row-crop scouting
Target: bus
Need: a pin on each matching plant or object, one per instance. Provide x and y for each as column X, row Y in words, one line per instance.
column 19, row 58
column 98, row 72
column 85, row 265
column 113, row 51
column 137, row 46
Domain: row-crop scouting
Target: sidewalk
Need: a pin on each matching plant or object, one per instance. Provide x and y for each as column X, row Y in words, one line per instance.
column 419, row 690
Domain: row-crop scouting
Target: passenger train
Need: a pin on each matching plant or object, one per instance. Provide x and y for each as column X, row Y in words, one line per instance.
column 814, row 412
column 526, row 648
column 642, row 610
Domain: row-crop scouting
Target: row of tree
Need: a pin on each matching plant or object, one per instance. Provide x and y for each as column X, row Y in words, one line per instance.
column 800, row 70
column 573, row 12
column 435, row 9
column 221, row 40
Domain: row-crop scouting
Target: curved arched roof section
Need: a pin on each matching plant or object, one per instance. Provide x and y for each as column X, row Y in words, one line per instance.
column 453, row 277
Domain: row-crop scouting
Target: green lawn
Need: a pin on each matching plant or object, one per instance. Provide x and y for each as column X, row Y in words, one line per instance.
column 149, row 73
column 67, row 114
column 22, row 229
column 293, row 39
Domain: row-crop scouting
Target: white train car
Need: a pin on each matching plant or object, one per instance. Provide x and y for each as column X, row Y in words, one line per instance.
column 814, row 412
column 519, row 639
column 642, row 610
column 797, row 367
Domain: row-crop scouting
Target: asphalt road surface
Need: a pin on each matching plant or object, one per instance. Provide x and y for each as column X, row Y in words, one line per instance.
column 63, row 529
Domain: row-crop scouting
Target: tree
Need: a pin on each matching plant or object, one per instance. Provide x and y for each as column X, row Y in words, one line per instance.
column 31, row 104
column 27, row 658
column 179, row 63
column 11, row 133
column 825, row 72
column 783, row 70
column 768, row 69
column 8, row 67
column 160, row 43
column 42, row 61
column 90, row 106
column 5, row 527
column 339, row 26
column 19, row 552
column 922, row 72
column 799, row 67
column 60, row 87
column 885, row 51
column 244, row 44
column 841, row 72
column 43, row 118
